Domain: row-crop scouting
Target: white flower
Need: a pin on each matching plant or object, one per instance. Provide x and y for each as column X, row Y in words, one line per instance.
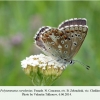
column 40, row 61
column 43, row 70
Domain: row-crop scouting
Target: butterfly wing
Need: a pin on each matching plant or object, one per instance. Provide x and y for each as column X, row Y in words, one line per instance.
column 74, row 21
column 37, row 37
column 57, row 43
column 62, row 42
column 76, row 29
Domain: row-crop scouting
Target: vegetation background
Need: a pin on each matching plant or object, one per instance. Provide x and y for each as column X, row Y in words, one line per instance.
column 19, row 22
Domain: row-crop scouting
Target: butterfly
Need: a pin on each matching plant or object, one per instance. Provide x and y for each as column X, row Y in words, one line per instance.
column 62, row 43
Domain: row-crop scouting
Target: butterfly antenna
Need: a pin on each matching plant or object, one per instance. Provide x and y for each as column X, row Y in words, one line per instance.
column 87, row 67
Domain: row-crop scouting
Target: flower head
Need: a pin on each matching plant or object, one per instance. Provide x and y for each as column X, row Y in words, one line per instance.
column 43, row 70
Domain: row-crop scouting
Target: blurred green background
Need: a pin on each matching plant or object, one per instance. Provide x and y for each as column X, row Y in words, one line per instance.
column 19, row 22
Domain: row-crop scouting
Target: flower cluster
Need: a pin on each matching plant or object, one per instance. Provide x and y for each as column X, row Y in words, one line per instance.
column 43, row 70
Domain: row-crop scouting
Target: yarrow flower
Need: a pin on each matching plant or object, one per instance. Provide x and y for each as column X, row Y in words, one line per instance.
column 43, row 70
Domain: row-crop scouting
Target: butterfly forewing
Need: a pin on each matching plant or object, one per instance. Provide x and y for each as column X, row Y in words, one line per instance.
column 76, row 30
column 75, row 21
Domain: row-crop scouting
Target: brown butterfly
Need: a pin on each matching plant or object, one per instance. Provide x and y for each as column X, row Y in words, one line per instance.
column 64, row 42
